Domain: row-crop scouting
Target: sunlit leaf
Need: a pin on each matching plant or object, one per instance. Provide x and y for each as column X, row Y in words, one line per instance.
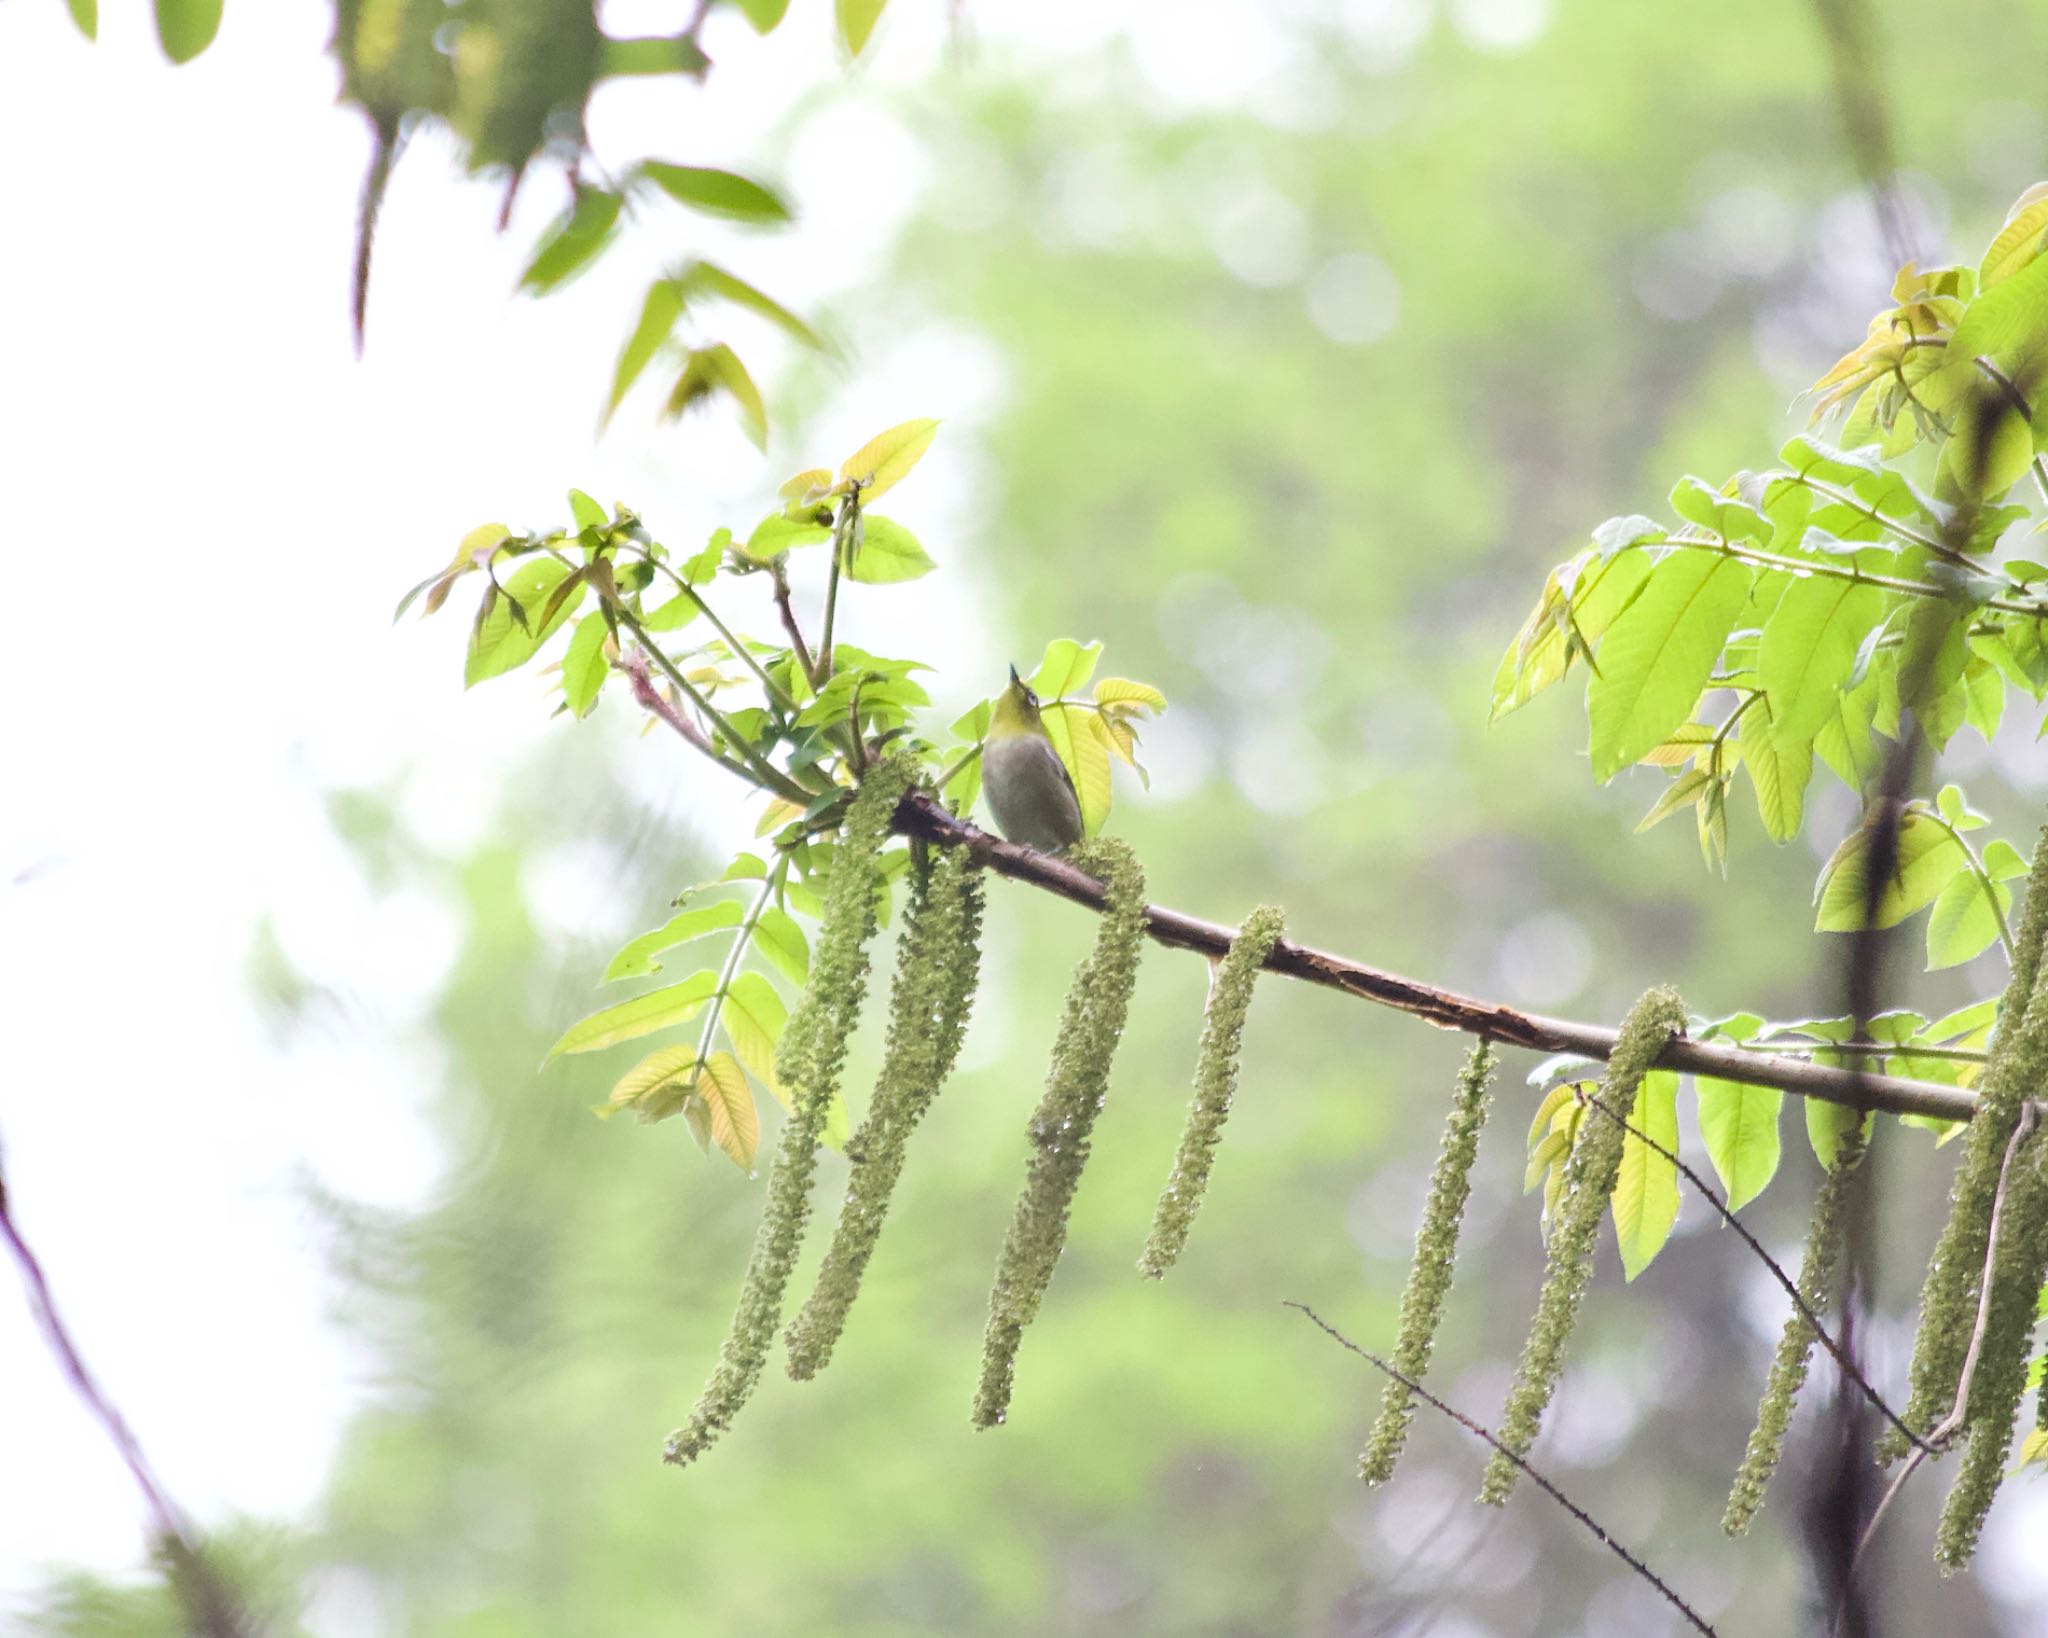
column 716, row 192
column 86, row 14
column 886, row 459
column 1077, row 734
column 1114, row 690
column 1645, row 1200
column 659, row 310
column 1965, row 922
column 501, row 642
column 1927, row 859
column 778, row 937
column 888, row 552
column 574, row 241
column 1739, row 1124
column 763, row 14
column 644, row 1014
column 1065, row 669
column 1659, row 653
column 635, row 958
column 1827, row 1124
column 857, row 19
column 729, row 1101
column 186, row 27
column 584, row 665
column 657, row 1086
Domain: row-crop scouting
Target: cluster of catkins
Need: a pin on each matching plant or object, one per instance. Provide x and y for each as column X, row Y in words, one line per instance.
column 937, row 969
column 1978, row 1310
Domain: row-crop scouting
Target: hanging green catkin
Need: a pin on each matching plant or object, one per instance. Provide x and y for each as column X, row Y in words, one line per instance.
column 1589, row 1178
column 1818, row 1275
column 808, row 1061
column 1429, row 1276
column 2000, row 1379
column 1948, row 1300
column 938, row 963
column 1230, row 997
column 1075, row 1083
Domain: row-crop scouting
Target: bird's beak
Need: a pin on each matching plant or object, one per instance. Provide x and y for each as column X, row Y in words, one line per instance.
column 1015, row 680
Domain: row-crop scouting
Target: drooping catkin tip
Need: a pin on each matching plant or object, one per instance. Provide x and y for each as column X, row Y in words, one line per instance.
column 1216, row 1058
column 1436, row 1251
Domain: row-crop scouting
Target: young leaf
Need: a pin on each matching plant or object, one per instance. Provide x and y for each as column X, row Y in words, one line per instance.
column 644, row 1014
column 1780, row 767
column 1580, row 600
column 709, row 279
column 1965, row 922
column 86, row 14
column 1116, row 690
column 857, row 19
column 781, row 941
column 1809, row 645
column 574, row 241
column 888, row 552
column 1645, row 1200
column 1740, row 1126
column 657, row 1086
column 763, row 14
column 1077, row 734
column 716, row 193
column 500, row 641
column 753, row 1017
column 886, row 459
column 718, row 368
column 659, row 311
column 186, row 27
column 635, row 958
column 1659, row 654
column 1928, row 858
column 584, row 665
column 1827, row 1124
column 735, row 1123
column 1065, row 669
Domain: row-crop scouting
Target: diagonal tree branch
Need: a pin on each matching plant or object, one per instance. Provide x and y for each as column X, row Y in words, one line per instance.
column 920, row 816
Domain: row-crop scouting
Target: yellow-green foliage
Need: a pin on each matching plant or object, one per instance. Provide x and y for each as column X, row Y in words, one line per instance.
column 1075, row 1084
column 812, row 1051
column 2000, row 1379
column 938, row 961
column 1588, row 1181
column 1955, row 1273
column 1818, row 1275
column 1436, row 1253
column 1230, row 997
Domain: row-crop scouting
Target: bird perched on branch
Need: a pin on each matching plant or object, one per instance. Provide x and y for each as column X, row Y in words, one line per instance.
column 1029, row 789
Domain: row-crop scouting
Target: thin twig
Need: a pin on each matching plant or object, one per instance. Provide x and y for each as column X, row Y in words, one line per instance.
column 212, row 1607
column 1598, row 1530
column 779, row 578
column 919, row 815
column 1943, row 1433
column 1844, row 1363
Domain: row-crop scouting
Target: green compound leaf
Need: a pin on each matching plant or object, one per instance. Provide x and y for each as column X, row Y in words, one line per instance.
column 1809, row 648
column 1645, row 1200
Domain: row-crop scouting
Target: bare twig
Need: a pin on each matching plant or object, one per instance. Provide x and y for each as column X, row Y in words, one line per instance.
column 1707, row 1192
column 1943, row 1433
column 780, row 580
column 212, row 1608
column 919, row 815
column 1599, row 1531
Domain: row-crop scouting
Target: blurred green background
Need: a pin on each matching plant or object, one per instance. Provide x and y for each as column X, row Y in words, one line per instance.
column 1315, row 334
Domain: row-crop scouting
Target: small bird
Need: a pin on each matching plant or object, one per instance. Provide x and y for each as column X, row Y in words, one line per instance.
column 1029, row 788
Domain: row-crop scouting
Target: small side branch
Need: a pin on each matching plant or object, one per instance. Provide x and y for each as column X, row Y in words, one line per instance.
column 212, row 1609
column 919, row 815
column 1599, row 1531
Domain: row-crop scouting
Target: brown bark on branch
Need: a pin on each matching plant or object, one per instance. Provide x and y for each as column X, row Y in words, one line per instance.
column 919, row 815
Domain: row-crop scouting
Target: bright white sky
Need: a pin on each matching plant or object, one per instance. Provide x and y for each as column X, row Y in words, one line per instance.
column 187, row 434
